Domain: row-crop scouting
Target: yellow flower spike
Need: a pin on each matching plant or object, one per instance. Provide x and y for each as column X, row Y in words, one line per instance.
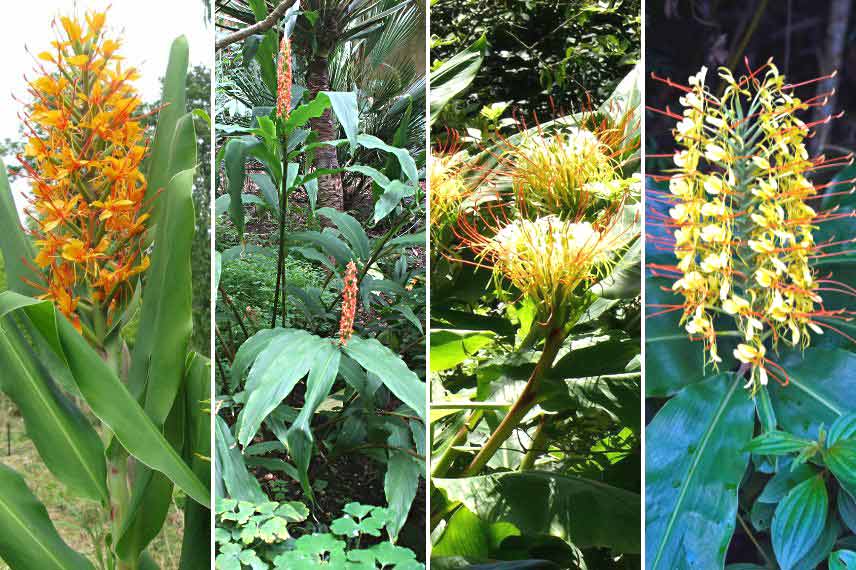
column 83, row 160
column 743, row 230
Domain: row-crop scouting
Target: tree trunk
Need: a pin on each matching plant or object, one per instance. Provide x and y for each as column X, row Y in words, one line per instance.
column 832, row 59
column 330, row 192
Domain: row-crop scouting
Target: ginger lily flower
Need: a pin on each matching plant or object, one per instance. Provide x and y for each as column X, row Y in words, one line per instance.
column 83, row 159
column 743, row 229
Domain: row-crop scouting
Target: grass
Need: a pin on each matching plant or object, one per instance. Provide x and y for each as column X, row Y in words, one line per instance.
column 75, row 518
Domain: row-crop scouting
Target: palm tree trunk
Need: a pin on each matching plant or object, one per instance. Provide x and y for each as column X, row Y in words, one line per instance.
column 330, row 193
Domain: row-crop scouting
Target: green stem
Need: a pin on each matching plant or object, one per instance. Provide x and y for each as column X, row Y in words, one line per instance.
column 537, row 446
column 527, row 400
column 449, row 455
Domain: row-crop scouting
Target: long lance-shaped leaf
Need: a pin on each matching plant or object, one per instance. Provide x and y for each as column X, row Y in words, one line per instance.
column 28, row 540
column 274, row 375
column 195, row 548
column 159, row 172
column 151, row 494
column 166, row 323
column 106, row 395
column 320, row 381
column 158, row 360
column 235, row 480
column 694, row 464
column 68, row 444
column 455, row 75
column 401, row 481
column 14, row 245
column 393, row 372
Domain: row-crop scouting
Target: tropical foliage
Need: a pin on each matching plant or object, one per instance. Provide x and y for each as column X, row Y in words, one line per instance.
column 97, row 321
column 535, row 316
column 543, row 55
column 748, row 461
column 320, row 251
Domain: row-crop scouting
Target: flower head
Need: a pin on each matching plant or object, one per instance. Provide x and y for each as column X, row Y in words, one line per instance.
column 284, row 79
column 349, row 303
column 548, row 258
column 83, row 159
column 743, row 230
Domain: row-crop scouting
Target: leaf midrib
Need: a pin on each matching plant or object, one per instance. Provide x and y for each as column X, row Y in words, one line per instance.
column 46, row 404
column 691, row 471
column 27, row 531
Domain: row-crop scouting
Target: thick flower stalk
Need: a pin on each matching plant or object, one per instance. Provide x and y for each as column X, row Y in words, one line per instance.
column 284, row 79
column 742, row 226
column 349, row 303
column 83, row 160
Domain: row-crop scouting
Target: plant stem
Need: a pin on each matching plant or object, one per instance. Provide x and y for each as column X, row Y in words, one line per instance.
column 527, row 400
column 448, row 456
column 537, row 446
column 228, row 301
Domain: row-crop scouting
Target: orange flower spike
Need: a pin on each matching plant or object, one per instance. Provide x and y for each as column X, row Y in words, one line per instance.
column 83, row 159
column 349, row 303
column 284, row 79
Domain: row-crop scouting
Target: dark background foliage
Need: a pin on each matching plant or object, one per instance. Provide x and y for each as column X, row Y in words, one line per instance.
column 540, row 49
column 805, row 38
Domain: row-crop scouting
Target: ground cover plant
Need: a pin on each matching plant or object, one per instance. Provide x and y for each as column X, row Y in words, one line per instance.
column 749, row 357
column 321, row 288
column 94, row 346
column 535, row 341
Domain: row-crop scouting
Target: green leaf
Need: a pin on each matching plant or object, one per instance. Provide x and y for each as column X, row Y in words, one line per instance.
column 29, row 540
column 301, row 114
column 390, row 199
column 455, row 75
column 783, row 481
column 401, row 480
column 344, row 105
column 777, row 443
column 671, row 360
column 158, row 364
column 237, row 482
column 799, row 521
column 822, row 548
column 694, row 464
column 14, row 245
column 818, row 392
column 322, row 375
column 234, row 160
column 465, row 535
column 69, row 446
column 841, row 460
column 160, row 169
column 842, row 560
column 625, row 279
column 166, row 323
column 392, row 371
column 351, row 229
column 327, row 242
column 842, row 428
column 106, row 395
column 847, row 509
column 580, row 511
column 405, row 160
column 275, row 373
column 195, row 548
column 268, row 189
column 452, row 347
